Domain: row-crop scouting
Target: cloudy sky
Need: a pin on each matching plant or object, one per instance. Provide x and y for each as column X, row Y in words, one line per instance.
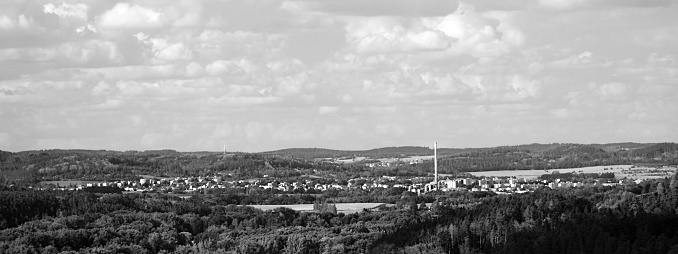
column 259, row 75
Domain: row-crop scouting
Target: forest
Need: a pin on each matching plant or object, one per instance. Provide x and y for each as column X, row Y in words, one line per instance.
column 631, row 218
column 640, row 218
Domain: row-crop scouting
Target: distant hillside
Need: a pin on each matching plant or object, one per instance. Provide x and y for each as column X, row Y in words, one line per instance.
column 611, row 147
column 33, row 166
column 404, row 151
column 539, row 147
column 30, row 167
column 659, row 151
column 311, row 153
column 576, row 150
column 314, row 153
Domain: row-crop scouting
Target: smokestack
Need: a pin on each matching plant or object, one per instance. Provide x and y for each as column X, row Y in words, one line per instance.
column 224, row 149
column 435, row 162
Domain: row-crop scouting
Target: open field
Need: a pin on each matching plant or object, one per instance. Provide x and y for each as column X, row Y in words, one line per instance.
column 408, row 159
column 354, row 159
column 638, row 172
column 393, row 159
column 643, row 173
column 341, row 207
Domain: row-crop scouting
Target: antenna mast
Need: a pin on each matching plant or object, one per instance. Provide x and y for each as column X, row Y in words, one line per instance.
column 435, row 163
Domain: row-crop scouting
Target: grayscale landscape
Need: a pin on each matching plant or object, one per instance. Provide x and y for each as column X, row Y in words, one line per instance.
column 338, row 126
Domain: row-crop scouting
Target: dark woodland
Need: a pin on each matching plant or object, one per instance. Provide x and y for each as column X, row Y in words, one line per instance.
column 631, row 218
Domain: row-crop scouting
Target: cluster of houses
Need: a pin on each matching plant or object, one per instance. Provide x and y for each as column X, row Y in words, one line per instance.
column 510, row 185
column 200, row 184
column 416, row 185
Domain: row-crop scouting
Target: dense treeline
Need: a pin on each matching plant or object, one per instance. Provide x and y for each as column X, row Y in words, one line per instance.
column 58, row 221
column 640, row 218
column 576, row 177
column 636, row 219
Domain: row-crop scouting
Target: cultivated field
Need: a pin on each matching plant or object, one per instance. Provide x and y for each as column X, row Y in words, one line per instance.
column 341, row 207
column 620, row 171
column 408, row 159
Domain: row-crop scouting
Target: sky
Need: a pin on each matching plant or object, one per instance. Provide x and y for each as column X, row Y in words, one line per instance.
column 260, row 75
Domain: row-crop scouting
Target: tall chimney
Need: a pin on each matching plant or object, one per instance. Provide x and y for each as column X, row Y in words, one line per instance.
column 224, row 149
column 435, row 162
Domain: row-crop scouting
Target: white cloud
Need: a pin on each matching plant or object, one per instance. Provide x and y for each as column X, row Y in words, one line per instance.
column 69, row 53
column 613, row 91
column 222, row 67
column 339, row 74
column 20, row 22
column 561, row 4
column 126, row 16
column 374, row 7
column 194, row 70
column 66, row 10
column 292, row 84
column 465, row 31
column 388, row 34
column 580, row 60
column 525, row 88
column 666, row 60
column 216, row 44
column 102, row 88
column 86, row 29
column 185, row 13
column 477, row 34
column 327, row 110
column 174, row 52
column 165, row 51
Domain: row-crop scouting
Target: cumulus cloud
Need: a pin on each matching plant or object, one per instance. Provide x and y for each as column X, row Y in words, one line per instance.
column 478, row 34
column 327, row 110
column 561, row 4
column 222, row 67
column 376, row 7
column 613, row 91
column 66, row 10
column 173, row 52
column 580, row 60
column 126, row 16
column 69, row 53
column 465, row 31
column 261, row 75
column 387, row 34
column 292, row 84
column 525, row 88
column 657, row 59
column 19, row 22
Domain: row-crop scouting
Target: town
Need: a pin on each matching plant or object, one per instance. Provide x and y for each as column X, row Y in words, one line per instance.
column 417, row 185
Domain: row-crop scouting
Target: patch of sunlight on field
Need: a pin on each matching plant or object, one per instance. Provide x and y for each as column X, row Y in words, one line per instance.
column 341, row 207
column 534, row 174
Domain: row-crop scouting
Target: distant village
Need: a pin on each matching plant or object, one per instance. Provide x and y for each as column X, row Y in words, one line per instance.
column 417, row 185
